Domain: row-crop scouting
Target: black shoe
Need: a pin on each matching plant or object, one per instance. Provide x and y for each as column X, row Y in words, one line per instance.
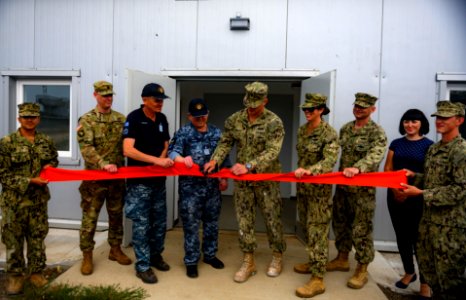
column 214, row 262
column 157, row 262
column 147, row 276
column 191, row 271
column 399, row 284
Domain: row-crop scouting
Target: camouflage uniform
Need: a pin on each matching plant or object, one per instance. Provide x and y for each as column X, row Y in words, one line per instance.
column 259, row 144
column 354, row 206
column 318, row 153
column 200, row 198
column 442, row 231
column 24, row 206
column 100, row 141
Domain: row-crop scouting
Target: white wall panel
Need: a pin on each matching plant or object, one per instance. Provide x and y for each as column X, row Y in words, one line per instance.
column 262, row 47
column 53, row 34
column 346, row 36
column 342, row 35
column 390, row 48
column 92, row 47
column 153, row 35
column 420, row 39
column 16, row 34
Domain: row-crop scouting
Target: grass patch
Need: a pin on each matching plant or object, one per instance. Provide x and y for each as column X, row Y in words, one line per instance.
column 75, row 292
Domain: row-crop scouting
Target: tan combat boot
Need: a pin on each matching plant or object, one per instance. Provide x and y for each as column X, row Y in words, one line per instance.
column 275, row 267
column 248, row 268
column 359, row 278
column 340, row 263
column 87, row 266
column 302, row 268
column 315, row 286
column 38, row 280
column 14, row 284
column 117, row 255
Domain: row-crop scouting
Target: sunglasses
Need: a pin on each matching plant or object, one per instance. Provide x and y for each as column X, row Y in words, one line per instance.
column 309, row 109
column 29, row 117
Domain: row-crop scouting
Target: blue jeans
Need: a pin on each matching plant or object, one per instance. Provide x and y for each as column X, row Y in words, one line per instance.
column 146, row 206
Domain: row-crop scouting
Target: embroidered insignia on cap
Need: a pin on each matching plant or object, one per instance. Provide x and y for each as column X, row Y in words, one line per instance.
column 199, row 106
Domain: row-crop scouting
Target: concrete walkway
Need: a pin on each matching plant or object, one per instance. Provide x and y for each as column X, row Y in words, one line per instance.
column 218, row 284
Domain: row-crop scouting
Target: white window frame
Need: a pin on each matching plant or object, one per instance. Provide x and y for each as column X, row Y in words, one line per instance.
column 12, row 76
column 454, row 87
column 449, row 81
column 20, row 99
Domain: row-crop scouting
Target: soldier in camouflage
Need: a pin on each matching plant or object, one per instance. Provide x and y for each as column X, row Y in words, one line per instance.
column 258, row 134
column 23, row 200
column 442, row 230
column 363, row 144
column 145, row 143
column 317, row 154
column 100, row 141
column 200, row 199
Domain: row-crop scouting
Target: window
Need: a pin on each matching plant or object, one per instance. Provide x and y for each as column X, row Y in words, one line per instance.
column 456, row 92
column 452, row 86
column 53, row 96
column 56, row 91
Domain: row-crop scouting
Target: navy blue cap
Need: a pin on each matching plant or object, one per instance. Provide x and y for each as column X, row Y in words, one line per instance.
column 198, row 107
column 154, row 90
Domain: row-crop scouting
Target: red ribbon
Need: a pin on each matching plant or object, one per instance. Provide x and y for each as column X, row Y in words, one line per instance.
column 379, row 179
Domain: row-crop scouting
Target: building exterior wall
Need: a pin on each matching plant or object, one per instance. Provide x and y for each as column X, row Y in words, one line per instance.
column 390, row 48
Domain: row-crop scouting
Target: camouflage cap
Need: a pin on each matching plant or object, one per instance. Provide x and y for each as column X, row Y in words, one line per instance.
column 256, row 92
column 103, row 88
column 198, row 108
column 315, row 100
column 29, row 110
column 449, row 109
column 364, row 100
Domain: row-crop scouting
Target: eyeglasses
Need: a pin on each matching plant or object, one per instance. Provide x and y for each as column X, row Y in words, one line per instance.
column 30, row 117
column 309, row 109
column 108, row 96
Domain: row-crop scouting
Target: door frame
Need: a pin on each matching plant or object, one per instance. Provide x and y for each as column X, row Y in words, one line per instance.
column 313, row 76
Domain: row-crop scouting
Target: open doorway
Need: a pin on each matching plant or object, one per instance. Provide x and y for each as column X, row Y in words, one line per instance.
column 224, row 91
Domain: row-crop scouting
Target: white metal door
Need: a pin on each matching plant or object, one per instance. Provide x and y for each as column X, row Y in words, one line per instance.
column 136, row 80
column 324, row 84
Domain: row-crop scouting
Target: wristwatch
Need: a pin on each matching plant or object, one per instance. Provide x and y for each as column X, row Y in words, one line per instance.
column 248, row 166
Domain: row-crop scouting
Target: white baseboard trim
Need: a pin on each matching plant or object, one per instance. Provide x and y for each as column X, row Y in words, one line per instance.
column 388, row 246
column 74, row 224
